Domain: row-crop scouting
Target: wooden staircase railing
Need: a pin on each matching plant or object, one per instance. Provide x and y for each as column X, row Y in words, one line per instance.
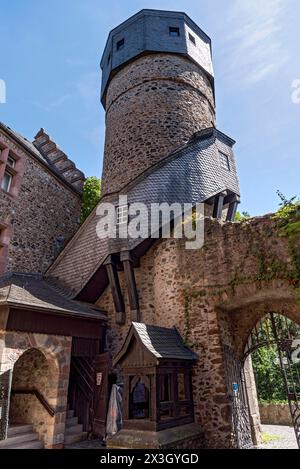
column 39, row 396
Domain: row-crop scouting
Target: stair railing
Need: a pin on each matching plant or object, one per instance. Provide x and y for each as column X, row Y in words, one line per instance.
column 39, row 396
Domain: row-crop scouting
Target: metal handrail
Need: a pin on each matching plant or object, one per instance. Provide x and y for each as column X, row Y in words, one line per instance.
column 39, row 396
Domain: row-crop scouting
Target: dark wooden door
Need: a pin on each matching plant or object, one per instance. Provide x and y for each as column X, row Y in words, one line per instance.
column 101, row 393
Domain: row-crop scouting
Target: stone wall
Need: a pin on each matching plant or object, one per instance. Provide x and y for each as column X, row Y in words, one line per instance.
column 40, row 218
column 154, row 105
column 275, row 414
column 214, row 296
column 40, row 361
column 31, row 371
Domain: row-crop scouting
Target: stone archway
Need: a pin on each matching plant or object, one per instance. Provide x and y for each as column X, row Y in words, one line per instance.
column 52, row 355
column 274, row 342
column 239, row 313
column 32, row 385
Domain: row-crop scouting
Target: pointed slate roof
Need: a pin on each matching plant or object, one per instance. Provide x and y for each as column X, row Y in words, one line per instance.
column 161, row 342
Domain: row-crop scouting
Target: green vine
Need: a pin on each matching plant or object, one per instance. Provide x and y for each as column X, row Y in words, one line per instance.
column 287, row 224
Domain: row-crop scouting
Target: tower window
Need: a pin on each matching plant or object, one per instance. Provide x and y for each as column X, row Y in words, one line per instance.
column 120, row 44
column 224, row 161
column 174, row 32
column 122, row 214
column 108, row 59
column 192, row 39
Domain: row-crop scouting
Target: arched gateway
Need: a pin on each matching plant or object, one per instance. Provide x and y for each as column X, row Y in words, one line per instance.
column 280, row 333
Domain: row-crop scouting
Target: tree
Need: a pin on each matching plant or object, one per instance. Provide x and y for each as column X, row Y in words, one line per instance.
column 242, row 216
column 90, row 197
column 268, row 375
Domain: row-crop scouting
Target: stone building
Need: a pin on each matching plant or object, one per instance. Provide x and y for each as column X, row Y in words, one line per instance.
column 38, row 182
column 40, row 204
column 191, row 386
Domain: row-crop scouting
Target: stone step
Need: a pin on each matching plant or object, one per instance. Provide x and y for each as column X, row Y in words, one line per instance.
column 18, row 439
column 71, row 422
column 69, row 439
column 17, row 429
column 70, row 414
column 29, row 445
column 74, row 429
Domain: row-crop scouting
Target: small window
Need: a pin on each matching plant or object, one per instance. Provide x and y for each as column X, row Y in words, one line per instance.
column 224, row 161
column 120, row 44
column 174, row 32
column 108, row 59
column 11, row 162
column 192, row 39
column 122, row 214
column 6, row 182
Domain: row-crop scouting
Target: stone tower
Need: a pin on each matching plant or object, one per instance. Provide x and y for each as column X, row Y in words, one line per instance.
column 157, row 91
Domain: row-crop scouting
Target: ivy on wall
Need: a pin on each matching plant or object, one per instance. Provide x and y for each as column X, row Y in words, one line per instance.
column 287, row 224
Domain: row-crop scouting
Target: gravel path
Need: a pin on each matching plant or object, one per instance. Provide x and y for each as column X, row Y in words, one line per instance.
column 285, row 437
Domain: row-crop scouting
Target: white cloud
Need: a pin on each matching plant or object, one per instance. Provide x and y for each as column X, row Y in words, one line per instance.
column 256, row 43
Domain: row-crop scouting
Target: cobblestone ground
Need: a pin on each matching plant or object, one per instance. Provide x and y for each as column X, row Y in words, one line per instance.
column 284, row 437
column 281, row 438
column 87, row 444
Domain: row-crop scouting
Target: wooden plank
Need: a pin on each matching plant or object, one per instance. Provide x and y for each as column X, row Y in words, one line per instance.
column 218, row 205
column 131, row 286
column 116, row 291
column 40, row 322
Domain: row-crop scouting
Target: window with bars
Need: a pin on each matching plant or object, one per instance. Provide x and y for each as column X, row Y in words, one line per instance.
column 122, row 214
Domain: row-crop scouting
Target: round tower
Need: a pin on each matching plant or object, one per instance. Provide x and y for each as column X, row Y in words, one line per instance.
column 157, row 91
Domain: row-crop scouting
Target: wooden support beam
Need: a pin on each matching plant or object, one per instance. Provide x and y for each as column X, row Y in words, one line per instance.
column 128, row 261
column 218, row 205
column 232, row 209
column 114, row 282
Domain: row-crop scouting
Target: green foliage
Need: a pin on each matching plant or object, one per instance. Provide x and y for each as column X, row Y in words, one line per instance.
column 268, row 375
column 273, row 401
column 289, row 209
column 242, row 216
column 90, row 197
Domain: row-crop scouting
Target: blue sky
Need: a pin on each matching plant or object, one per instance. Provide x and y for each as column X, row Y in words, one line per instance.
column 50, row 54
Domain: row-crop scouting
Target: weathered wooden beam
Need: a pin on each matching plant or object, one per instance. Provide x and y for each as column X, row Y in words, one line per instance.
column 128, row 261
column 232, row 209
column 218, row 205
column 116, row 291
